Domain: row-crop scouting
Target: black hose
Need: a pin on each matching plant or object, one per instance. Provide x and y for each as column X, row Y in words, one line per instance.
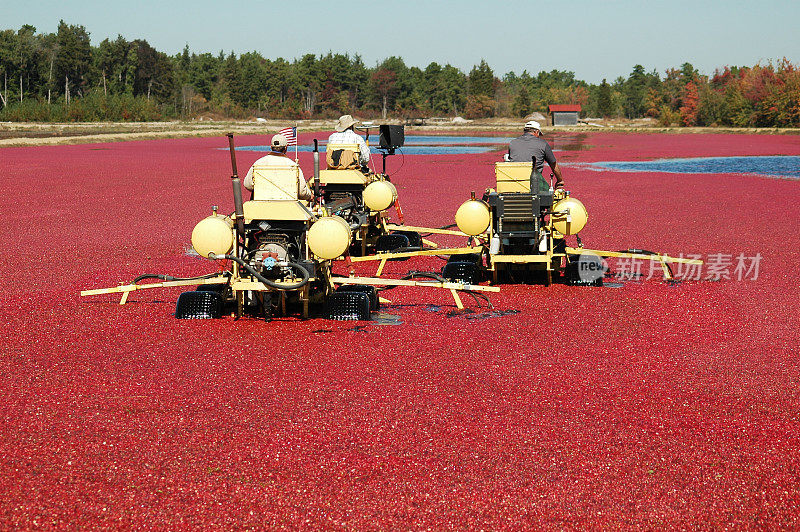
column 414, row 273
column 443, row 227
column 638, row 251
column 402, row 162
column 647, row 252
column 436, row 277
column 425, row 275
column 172, row 278
column 278, row 286
column 477, row 296
column 406, row 249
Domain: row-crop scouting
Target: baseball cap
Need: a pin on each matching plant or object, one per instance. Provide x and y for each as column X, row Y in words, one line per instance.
column 533, row 124
column 279, row 141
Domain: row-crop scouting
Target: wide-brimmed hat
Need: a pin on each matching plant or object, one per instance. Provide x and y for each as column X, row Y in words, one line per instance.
column 345, row 122
column 533, row 124
column 279, row 141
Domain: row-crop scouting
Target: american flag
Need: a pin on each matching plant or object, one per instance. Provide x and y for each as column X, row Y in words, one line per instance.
column 291, row 135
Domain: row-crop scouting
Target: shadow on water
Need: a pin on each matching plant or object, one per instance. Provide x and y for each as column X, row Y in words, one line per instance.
column 470, row 314
column 568, row 141
column 378, row 318
column 384, row 318
column 473, row 314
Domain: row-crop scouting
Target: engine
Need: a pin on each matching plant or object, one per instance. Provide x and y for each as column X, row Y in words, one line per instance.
column 270, row 251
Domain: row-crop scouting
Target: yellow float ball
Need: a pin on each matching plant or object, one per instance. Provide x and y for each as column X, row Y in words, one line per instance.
column 572, row 217
column 329, row 237
column 380, row 195
column 213, row 235
column 473, row 217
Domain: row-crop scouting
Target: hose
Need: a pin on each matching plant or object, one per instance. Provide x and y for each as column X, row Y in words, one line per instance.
column 172, row 278
column 426, row 275
column 402, row 162
column 478, row 297
column 647, row 252
column 638, row 251
column 450, row 226
column 278, row 286
column 404, row 249
column 436, row 277
column 414, row 273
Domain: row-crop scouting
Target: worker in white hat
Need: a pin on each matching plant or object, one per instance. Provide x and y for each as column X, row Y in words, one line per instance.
column 277, row 158
column 531, row 147
column 346, row 135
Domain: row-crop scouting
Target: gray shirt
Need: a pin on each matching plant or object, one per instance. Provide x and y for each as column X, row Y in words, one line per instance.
column 523, row 149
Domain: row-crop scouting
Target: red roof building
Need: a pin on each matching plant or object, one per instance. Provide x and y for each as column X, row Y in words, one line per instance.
column 559, row 108
column 564, row 114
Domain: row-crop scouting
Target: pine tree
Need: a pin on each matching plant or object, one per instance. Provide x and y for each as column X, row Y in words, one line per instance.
column 605, row 104
column 635, row 93
column 72, row 58
column 522, row 102
column 481, row 80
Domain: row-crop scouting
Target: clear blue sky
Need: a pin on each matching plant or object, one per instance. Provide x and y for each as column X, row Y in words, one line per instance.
column 595, row 39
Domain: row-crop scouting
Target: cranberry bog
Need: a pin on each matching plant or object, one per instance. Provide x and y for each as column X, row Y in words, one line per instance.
column 640, row 404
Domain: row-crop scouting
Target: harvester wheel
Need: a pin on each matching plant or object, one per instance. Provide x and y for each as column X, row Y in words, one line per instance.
column 461, row 272
column 391, row 242
column 474, row 258
column 584, row 270
column 199, row 305
column 374, row 301
column 221, row 289
column 345, row 306
column 414, row 238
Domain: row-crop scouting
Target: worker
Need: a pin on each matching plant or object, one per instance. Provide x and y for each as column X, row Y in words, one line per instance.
column 345, row 135
column 531, row 144
column 278, row 158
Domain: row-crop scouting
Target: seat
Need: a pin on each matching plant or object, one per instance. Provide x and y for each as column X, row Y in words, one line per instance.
column 516, row 177
column 276, row 183
column 344, row 177
column 287, row 210
column 343, row 156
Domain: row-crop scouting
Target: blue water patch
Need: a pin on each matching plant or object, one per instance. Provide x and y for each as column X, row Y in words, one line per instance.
column 781, row 166
column 444, row 150
column 433, row 140
column 419, row 145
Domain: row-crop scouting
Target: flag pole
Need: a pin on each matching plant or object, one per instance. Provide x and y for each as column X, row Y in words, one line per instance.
column 296, row 142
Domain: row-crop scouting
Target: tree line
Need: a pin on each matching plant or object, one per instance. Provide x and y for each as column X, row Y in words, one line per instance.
column 61, row 76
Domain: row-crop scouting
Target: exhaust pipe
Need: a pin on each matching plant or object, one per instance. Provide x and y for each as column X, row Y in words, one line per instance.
column 316, row 170
column 237, row 195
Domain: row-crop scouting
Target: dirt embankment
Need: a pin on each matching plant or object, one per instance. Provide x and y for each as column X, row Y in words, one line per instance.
column 34, row 134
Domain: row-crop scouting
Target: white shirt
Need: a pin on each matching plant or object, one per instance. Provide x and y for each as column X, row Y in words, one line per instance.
column 348, row 136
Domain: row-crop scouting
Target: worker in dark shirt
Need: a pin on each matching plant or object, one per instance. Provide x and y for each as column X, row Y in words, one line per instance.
column 531, row 144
